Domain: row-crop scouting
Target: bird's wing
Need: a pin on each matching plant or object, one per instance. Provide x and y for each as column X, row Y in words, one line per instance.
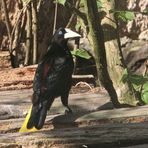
column 58, row 77
column 41, row 73
column 42, row 70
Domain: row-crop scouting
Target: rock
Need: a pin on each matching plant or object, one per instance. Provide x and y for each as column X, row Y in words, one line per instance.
column 134, row 28
column 10, row 111
column 135, row 55
column 125, row 41
column 144, row 35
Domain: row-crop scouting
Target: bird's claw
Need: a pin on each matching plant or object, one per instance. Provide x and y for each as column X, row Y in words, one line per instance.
column 68, row 111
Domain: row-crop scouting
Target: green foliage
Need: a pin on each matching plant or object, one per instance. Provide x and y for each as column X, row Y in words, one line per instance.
column 139, row 82
column 99, row 4
column 81, row 53
column 144, row 94
column 124, row 78
column 62, row 2
column 78, row 25
column 26, row 1
column 124, row 15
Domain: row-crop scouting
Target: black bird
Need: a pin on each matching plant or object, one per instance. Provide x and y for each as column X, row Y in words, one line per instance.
column 53, row 78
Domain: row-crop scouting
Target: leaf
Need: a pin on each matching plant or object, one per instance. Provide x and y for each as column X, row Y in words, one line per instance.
column 81, row 53
column 126, row 15
column 145, row 86
column 123, row 15
column 99, row 4
column 145, row 97
column 144, row 94
column 62, row 2
column 124, row 76
column 138, row 79
column 129, row 15
column 137, row 88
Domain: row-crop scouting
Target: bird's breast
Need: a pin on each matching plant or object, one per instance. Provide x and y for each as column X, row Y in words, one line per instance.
column 59, row 60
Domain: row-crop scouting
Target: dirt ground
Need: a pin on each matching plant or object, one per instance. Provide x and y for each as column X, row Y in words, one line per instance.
column 22, row 78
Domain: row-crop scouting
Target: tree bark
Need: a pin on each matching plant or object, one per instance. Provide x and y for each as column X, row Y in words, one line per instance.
column 69, row 24
column 99, row 48
column 34, row 30
column 28, row 36
column 115, row 61
column 16, row 43
column 7, row 20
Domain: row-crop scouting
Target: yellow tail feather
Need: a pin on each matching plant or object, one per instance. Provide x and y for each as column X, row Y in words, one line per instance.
column 24, row 126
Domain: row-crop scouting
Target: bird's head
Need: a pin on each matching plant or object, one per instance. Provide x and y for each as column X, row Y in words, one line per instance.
column 62, row 35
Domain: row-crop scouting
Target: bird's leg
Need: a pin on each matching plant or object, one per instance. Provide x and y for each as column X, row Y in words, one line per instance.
column 68, row 110
column 46, row 98
column 50, row 101
column 64, row 99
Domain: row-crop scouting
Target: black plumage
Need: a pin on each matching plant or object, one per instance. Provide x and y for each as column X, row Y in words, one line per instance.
column 53, row 78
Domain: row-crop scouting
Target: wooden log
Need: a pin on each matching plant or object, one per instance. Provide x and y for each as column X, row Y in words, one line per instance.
column 104, row 135
column 103, row 128
column 83, row 78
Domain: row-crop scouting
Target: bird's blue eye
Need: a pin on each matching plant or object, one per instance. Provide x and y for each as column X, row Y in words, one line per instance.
column 60, row 32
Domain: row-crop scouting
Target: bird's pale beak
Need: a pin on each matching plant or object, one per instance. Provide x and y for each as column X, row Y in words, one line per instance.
column 71, row 34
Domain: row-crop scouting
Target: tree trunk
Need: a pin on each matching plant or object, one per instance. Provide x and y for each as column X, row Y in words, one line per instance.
column 99, row 48
column 8, row 26
column 7, row 20
column 16, row 43
column 34, row 30
column 28, row 36
column 115, row 59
